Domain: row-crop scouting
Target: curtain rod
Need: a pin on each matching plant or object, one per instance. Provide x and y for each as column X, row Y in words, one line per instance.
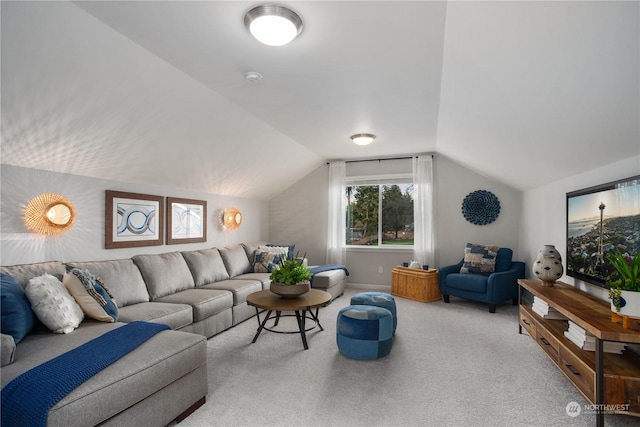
column 379, row 160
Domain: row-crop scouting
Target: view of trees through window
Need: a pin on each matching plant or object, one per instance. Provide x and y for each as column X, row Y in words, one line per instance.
column 379, row 213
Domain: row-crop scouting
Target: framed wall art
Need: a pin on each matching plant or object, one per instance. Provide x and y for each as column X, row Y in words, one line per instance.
column 186, row 221
column 133, row 219
column 601, row 219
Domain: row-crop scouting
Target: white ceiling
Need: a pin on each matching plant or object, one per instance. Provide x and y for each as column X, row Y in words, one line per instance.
column 154, row 91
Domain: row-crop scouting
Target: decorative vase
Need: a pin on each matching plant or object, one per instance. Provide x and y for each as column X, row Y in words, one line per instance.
column 290, row 291
column 548, row 265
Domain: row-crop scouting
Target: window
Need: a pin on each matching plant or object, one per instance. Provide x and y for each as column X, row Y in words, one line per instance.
column 379, row 210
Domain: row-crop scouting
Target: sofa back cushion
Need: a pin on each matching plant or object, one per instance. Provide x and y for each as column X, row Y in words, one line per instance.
column 503, row 260
column 25, row 272
column 122, row 277
column 235, row 260
column 206, row 266
column 164, row 274
column 251, row 249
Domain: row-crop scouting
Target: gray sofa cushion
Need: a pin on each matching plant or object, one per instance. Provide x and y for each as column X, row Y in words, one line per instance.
column 235, row 260
column 175, row 315
column 250, row 249
column 164, row 274
column 24, row 272
column 205, row 302
column 122, row 277
column 158, row 362
column 206, row 266
column 7, row 349
column 239, row 288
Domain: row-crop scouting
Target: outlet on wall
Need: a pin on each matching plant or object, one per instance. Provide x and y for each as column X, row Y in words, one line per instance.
column 380, row 269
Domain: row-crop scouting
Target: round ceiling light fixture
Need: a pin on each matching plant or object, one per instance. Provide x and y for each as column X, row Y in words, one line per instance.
column 252, row 77
column 273, row 25
column 363, row 138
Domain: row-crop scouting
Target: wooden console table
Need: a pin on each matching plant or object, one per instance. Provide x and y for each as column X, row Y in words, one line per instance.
column 603, row 378
column 415, row 284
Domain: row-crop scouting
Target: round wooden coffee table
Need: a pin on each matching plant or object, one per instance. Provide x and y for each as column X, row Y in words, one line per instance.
column 302, row 305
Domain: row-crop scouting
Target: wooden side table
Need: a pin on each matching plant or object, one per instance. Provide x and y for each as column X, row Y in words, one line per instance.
column 415, row 284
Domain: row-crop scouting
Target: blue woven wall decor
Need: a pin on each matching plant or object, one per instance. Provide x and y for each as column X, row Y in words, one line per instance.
column 481, row 207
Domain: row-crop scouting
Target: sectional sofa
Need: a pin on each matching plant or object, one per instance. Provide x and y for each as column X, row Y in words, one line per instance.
column 202, row 292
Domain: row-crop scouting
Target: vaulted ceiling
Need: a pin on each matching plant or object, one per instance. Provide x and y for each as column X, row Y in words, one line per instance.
column 154, row 91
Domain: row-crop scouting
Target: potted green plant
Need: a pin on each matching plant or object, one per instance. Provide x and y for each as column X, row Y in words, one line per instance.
column 290, row 278
column 624, row 290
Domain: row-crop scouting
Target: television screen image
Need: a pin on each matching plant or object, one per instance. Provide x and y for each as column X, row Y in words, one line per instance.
column 599, row 220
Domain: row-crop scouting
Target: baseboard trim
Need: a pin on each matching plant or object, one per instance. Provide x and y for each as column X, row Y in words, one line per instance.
column 376, row 288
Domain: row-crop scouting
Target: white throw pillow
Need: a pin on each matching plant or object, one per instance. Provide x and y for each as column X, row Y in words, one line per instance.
column 53, row 304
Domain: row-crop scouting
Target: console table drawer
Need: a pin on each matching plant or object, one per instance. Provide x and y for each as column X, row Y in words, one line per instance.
column 547, row 341
column 527, row 322
column 579, row 373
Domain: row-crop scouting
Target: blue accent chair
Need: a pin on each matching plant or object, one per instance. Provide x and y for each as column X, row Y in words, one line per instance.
column 495, row 288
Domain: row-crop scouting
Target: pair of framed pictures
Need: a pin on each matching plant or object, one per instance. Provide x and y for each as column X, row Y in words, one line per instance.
column 133, row 219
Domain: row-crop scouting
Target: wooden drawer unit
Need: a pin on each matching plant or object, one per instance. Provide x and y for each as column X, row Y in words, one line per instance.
column 582, row 375
column 418, row 285
column 527, row 322
column 605, row 379
column 547, row 341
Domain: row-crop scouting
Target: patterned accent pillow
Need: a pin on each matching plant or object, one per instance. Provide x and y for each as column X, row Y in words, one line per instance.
column 278, row 250
column 291, row 248
column 94, row 299
column 53, row 304
column 265, row 262
column 479, row 259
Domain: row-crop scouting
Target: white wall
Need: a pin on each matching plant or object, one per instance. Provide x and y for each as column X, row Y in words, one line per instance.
column 544, row 213
column 85, row 241
column 299, row 215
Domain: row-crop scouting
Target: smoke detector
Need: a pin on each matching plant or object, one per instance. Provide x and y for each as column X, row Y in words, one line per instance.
column 253, row 77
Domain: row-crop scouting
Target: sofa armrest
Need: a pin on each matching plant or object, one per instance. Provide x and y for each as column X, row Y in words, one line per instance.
column 7, row 349
column 503, row 285
column 446, row 270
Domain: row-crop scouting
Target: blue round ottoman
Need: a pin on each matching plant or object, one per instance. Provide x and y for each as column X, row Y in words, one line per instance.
column 377, row 299
column 364, row 332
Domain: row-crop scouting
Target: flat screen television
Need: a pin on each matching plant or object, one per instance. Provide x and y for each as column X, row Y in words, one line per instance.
column 599, row 220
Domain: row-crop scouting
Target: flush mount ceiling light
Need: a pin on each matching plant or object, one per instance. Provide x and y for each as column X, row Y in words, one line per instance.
column 363, row 138
column 273, row 25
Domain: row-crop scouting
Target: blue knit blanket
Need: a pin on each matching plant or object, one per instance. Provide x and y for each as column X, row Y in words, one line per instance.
column 327, row 267
column 26, row 400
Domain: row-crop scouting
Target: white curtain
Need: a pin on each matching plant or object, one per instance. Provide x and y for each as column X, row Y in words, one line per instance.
column 423, row 210
column 336, row 253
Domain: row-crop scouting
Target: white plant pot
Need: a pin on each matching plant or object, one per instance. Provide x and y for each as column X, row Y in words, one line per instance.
column 629, row 304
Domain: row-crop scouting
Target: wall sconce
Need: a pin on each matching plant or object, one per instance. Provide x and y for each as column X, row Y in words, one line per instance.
column 232, row 218
column 49, row 214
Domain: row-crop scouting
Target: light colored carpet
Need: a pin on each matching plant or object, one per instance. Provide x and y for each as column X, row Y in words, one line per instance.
column 451, row 365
